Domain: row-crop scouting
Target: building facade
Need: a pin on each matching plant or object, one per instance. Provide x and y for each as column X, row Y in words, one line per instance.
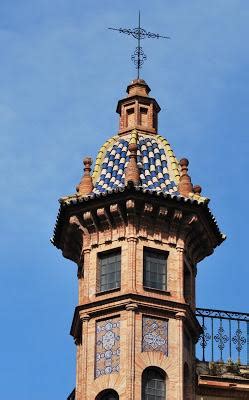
column 137, row 228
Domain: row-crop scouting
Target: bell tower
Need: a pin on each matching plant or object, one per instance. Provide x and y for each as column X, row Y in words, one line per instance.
column 136, row 228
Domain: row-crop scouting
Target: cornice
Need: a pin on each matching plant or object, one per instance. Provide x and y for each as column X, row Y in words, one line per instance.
column 142, row 303
column 177, row 217
column 141, row 99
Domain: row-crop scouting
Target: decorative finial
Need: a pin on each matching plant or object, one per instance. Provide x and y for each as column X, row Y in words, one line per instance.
column 184, row 186
column 132, row 173
column 139, row 33
column 86, row 184
column 197, row 190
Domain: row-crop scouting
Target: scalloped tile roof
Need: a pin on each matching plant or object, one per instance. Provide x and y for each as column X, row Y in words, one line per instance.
column 154, row 157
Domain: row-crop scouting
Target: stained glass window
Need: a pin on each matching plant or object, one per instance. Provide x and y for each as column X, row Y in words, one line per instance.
column 155, row 269
column 155, row 335
column 153, row 384
column 109, row 270
column 107, row 347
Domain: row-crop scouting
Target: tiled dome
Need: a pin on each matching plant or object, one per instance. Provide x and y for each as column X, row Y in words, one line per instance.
column 158, row 167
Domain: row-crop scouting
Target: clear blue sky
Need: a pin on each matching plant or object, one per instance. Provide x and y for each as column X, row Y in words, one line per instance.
column 62, row 73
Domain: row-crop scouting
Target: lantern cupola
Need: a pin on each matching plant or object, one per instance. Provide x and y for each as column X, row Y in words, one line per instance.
column 138, row 110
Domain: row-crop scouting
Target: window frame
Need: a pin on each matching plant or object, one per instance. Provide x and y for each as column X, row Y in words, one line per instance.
column 108, row 392
column 145, row 381
column 147, row 283
column 99, row 284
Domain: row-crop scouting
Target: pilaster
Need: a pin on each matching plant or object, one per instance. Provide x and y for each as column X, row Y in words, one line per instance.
column 130, row 351
column 132, row 263
column 84, row 318
column 84, row 282
column 180, row 317
column 180, row 251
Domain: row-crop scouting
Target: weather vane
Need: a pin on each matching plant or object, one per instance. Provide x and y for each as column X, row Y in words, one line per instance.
column 138, row 57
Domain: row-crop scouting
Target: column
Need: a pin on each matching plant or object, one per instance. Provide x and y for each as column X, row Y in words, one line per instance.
column 84, row 291
column 130, row 335
column 84, row 318
column 78, row 369
column 131, row 273
column 180, row 251
column 180, row 317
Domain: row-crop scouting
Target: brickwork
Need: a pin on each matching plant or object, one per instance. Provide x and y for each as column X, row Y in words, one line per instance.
column 138, row 111
column 133, row 224
column 132, row 360
column 167, row 307
column 122, row 331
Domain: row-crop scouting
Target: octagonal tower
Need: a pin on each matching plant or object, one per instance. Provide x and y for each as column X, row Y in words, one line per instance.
column 136, row 228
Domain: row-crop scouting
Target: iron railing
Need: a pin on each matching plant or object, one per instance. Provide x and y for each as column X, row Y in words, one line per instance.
column 225, row 336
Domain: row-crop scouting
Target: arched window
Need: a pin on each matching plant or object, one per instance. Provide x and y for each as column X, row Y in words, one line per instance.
column 108, row 395
column 153, row 384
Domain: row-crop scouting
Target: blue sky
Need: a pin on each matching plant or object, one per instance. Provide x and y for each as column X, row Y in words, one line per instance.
column 62, row 73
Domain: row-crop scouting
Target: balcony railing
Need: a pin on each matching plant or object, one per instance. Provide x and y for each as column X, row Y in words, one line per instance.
column 225, row 336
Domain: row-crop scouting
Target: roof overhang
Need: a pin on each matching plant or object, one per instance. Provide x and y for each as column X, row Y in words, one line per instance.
column 78, row 213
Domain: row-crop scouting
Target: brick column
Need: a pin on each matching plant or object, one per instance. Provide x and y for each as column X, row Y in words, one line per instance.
column 130, row 335
column 180, row 316
column 78, row 369
column 150, row 116
column 131, row 273
column 137, row 113
column 180, row 251
column 84, row 293
column 84, row 318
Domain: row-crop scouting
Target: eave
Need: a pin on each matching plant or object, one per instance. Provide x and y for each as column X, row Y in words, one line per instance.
column 74, row 204
column 141, row 99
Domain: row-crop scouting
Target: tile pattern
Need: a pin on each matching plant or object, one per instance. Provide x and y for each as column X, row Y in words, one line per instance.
column 107, row 347
column 152, row 162
column 155, row 335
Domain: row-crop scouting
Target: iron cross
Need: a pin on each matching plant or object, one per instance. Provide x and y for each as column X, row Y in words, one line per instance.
column 138, row 57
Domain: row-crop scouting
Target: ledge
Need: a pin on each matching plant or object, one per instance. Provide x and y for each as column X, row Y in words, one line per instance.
column 98, row 294
column 146, row 303
column 160, row 291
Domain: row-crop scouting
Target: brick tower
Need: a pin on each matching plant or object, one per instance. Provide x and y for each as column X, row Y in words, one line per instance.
column 136, row 228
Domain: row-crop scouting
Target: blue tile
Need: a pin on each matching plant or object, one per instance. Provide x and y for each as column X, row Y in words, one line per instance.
column 152, row 163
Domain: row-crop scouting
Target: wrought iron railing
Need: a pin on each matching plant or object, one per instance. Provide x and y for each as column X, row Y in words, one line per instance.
column 225, row 336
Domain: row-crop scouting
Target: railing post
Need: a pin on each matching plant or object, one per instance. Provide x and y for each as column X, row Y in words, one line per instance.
column 230, row 340
column 212, row 338
column 203, row 340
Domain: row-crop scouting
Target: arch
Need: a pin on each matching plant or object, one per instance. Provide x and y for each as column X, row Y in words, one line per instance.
column 153, row 384
column 108, row 394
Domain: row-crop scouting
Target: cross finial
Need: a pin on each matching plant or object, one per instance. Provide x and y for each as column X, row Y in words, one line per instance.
column 138, row 57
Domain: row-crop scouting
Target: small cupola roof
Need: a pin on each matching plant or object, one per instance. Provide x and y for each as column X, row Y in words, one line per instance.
column 138, row 87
